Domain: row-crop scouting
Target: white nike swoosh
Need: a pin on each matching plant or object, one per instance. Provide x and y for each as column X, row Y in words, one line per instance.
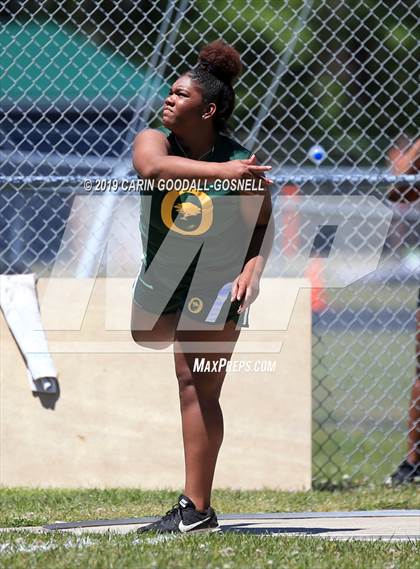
column 184, row 528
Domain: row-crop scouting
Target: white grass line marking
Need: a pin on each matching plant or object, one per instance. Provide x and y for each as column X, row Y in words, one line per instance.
column 157, row 539
column 20, row 547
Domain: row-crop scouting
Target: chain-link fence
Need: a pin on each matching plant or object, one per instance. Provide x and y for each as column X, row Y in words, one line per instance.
column 80, row 79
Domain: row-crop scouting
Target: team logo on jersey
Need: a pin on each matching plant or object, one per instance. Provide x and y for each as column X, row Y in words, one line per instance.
column 195, row 305
column 188, row 212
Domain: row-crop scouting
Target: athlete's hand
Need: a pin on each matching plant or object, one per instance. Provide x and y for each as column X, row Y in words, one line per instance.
column 244, row 169
column 407, row 162
column 245, row 287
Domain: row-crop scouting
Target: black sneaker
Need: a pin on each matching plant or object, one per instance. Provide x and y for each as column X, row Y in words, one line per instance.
column 406, row 473
column 184, row 518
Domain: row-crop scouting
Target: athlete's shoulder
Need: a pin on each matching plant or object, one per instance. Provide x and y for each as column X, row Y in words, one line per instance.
column 147, row 132
column 234, row 148
column 154, row 131
column 169, row 136
column 150, row 136
column 148, row 144
column 163, row 130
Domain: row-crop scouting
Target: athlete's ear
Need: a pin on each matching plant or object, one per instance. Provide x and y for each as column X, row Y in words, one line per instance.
column 208, row 111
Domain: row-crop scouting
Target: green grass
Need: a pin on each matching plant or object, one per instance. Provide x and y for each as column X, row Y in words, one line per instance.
column 20, row 507
column 220, row 551
column 29, row 507
column 361, row 389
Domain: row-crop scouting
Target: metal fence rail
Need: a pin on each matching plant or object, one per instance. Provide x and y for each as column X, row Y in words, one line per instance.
column 80, row 79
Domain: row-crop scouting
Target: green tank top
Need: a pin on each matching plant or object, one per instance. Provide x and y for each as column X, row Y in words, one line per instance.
column 192, row 214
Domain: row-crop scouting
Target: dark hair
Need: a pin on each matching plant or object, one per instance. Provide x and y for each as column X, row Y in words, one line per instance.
column 218, row 65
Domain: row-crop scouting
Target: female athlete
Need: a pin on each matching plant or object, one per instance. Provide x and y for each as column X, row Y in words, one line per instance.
column 178, row 229
column 405, row 159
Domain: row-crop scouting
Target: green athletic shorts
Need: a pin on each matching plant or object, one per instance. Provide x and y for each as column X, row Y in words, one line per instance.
column 211, row 306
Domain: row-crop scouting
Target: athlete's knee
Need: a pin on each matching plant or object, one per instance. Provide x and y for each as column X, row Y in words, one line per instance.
column 203, row 387
column 186, row 380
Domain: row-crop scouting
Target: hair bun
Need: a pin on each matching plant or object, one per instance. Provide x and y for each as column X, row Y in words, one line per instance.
column 221, row 60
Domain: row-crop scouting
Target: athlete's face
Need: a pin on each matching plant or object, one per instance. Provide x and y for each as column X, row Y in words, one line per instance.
column 183, row 107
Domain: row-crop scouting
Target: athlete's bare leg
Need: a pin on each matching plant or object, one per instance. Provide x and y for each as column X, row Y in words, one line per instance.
column 162, row 333
column 414, row 409
column 202, row 419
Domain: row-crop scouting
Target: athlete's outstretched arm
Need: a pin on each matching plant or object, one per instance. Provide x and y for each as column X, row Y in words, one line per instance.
column 151, row 160
column 246, row 286
column 259, row 248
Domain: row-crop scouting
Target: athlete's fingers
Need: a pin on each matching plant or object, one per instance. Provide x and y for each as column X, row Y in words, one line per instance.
column 251, row 160
column 234, row 291
column 264, row 180
column 241, row 290
column 416, row 145
column 244, row 304
column 249, row 298
column 256, row 168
